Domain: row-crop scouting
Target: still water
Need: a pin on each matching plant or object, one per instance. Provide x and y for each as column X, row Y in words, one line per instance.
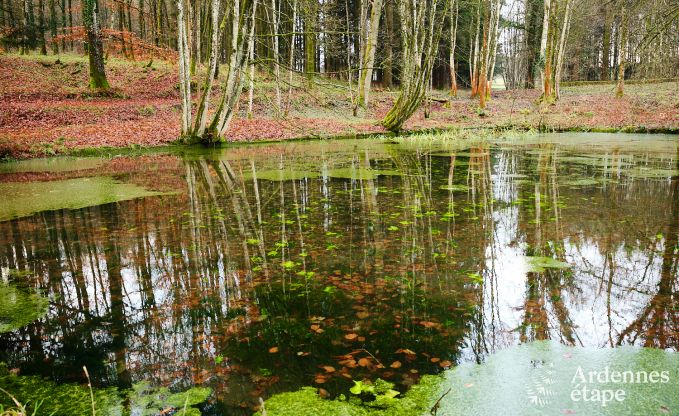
column 259, row 269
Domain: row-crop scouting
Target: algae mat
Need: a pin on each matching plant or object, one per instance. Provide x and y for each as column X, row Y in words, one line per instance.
column 547, row 378
column 24, row 199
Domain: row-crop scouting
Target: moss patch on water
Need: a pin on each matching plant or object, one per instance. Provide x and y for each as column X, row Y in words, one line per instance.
column 58, row 399
column 532, row 379
column 70, row 399
column 540, row 378
column 55, row 164
column 455, row 188
column 24, row 199
column 306, row 402
column 360, row 173
column 539, row 264
column 282, row 175
column 19, row 307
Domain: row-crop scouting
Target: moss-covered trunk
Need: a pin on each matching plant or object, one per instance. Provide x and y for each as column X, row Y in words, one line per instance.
column 95, row 48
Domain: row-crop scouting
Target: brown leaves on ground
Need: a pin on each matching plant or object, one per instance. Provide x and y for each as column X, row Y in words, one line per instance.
column 45, row 108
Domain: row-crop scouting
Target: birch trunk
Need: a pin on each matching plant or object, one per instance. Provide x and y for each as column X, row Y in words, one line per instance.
column 543, row 43
column 184, row 72
column 562, row 49
column 291, row 63
column 276, row 62
column 453, row 41
column 620, row 87
column 368, row 53
column 201, row 114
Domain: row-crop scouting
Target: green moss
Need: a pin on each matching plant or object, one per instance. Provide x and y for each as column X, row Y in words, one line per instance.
column 538, row 378
column 19, row 307
column 418, row 400
column 360, row 173
column 24, row 199
column 582, row 182
column 148, row 401
column 54, row 164
column 72, row 399
column 283, row 175
column 540, row 264
column 455, row 188
column 58, row 399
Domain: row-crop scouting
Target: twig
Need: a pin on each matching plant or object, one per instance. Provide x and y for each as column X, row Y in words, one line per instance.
column 89, row 384
column 436, row 406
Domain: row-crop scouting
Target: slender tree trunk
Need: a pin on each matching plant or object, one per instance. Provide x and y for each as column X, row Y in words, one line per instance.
column 291, row 62
column 453, row 41
column 368, row 53
column 543, row 45
column 310, row 42
column 184, row 70
column 350, row 70
column 251, row 80
column 475, row 59
column 388, row 64
column 606, row 43
column 622, row 48
column 41, row 25
column 562, row 48
column 201, row 112
column 53, row 26
column 95, row 48
column 276, row 60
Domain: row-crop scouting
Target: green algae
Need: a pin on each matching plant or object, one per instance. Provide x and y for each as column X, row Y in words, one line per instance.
column 58, row 399
column 306, row 402
column 651, row 173
column 19, row 307
column 539, row 264
column 360, row 173
column 281, row 175
column 455, row 188
column 68, row 399
column 54, row 164
column 25, row 199
column 582, row 182
column 539, row 379
column 148, row 401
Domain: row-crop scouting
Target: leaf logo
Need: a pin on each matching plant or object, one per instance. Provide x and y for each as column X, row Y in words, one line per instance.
column 538, row 390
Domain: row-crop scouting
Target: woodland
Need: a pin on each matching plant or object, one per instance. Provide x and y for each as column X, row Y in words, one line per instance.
column 249, row 70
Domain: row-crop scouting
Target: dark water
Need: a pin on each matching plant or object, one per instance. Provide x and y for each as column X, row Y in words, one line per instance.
column 277, row 266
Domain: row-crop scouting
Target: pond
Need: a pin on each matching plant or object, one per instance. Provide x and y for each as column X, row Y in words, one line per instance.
column 255, row 270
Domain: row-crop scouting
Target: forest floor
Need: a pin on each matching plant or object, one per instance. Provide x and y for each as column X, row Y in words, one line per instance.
column 46, row 109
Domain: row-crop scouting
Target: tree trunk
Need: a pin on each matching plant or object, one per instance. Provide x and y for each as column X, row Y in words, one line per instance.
column 420, row 42
column 291, row 63
column 201, row 113
column 95, row 48
column 453, row 41
column 606, row 43
column 562, row 49
column 184, row 70
column 543, row 46
column 53, row 26
column 622, row 48
column 368, row 53
column 388, row 64
column 251, row 80
column 275, row 20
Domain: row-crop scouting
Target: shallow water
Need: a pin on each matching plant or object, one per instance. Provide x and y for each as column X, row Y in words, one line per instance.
column 259, row 269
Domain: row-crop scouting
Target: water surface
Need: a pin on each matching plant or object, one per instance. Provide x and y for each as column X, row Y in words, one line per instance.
column 260, row 269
